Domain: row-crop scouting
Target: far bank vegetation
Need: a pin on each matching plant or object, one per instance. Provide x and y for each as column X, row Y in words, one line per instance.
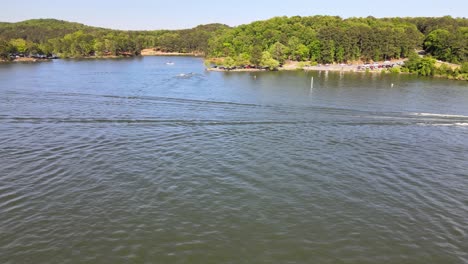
column 269, row 43
column 333, row 40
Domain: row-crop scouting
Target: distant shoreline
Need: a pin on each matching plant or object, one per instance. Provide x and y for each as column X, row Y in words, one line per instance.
column 295, row 65
column 153, row 52
column 288, row 66
column 144, row 52
column 25, row 59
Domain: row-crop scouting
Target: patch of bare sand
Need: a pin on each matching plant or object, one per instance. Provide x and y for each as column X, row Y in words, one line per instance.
column 155, row 52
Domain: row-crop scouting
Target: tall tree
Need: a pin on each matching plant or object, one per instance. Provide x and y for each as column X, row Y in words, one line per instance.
column 256, row 55
column 279, row 52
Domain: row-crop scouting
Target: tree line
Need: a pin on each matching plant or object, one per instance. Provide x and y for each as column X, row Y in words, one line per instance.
column 331, row 39
column 320, row 39
column 67, row 39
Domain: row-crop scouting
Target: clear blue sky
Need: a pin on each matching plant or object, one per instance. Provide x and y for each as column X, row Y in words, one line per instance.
column 177, row 14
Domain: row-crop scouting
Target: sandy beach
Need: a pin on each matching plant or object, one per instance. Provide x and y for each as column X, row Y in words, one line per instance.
column 154, row 52
column 295, row 65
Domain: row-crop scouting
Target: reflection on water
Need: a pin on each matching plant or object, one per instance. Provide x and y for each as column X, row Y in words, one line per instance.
column 121, row 161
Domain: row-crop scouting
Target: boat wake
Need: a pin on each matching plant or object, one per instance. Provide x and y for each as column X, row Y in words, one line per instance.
column 438, row 115
column 187, row 75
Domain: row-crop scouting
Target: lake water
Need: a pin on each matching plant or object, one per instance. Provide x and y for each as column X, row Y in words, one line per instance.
column 138, row 161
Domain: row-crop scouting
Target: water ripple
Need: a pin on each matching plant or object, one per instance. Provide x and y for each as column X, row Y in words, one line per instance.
column 146, row 168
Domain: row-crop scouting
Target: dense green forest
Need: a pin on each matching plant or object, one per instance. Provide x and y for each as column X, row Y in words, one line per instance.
column 320, row 39
column 331, row 39
column 328, row 39
column 67, row 39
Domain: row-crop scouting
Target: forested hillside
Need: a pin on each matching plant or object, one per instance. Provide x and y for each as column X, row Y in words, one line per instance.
column 67, row 39
column 328, row 39
column 322, row 39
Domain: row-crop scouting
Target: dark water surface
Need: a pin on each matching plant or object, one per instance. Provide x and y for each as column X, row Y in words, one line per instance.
column 136, row 161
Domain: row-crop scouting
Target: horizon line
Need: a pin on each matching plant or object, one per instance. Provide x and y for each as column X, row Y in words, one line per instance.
column 232, row 26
